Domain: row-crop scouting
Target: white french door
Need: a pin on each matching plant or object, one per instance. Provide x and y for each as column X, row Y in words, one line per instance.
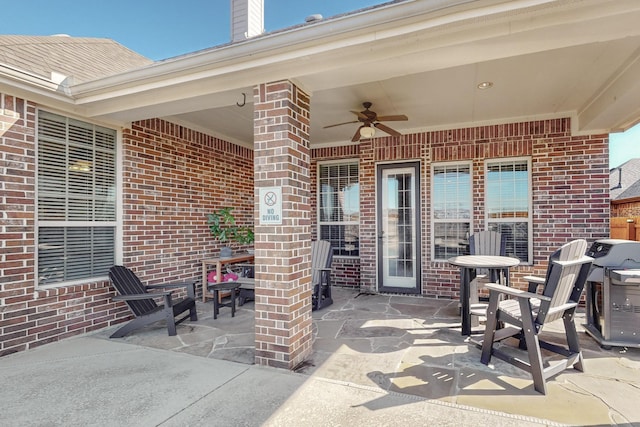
column 398, row 216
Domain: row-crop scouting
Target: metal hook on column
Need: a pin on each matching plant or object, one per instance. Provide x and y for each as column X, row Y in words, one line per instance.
column 244, row 100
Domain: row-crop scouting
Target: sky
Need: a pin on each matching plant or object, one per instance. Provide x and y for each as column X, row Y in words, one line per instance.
column 160, row 29
column 157, row 29
column 624, row 146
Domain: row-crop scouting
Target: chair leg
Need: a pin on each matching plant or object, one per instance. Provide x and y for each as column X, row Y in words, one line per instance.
column 233, row 303
column 533, row 347
column 128, row 327
column 490, row 328
column 324, row 296
column 573, row 342
column 216, row 307
column 315, row 297
column 171, row 321
column 474, row 300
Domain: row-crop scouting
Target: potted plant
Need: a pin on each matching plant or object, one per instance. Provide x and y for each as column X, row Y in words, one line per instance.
column 222, row 224
column 245, row 236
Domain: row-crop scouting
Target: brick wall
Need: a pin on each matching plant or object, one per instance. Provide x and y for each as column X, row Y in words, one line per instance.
column 172, row 178
column 625, row 209
column 29, row 317
column 570, row 196
column 570, row 176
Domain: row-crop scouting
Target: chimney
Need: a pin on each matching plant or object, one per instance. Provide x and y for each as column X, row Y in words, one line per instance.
column 247, row 19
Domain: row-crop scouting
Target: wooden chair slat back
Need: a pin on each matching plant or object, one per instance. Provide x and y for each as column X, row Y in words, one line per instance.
column 561, row 280
column 127, row 283
column 487, row 243
column 321, row 257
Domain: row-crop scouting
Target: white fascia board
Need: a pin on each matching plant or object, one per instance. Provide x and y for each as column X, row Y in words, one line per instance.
column 24, row 80
column 37, row 89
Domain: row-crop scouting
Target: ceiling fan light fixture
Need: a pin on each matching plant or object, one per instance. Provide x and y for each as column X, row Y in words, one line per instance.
column 367, row 131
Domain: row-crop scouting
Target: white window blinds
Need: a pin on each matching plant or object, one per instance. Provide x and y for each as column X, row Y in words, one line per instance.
column 76, row 199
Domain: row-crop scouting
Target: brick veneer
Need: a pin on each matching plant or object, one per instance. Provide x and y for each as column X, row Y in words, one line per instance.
column 173, row 176
column 283, row 252
column 627, row 208
column 30, row 317
column 570, row 187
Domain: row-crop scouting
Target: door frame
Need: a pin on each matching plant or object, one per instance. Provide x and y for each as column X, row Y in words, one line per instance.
column 380, row 167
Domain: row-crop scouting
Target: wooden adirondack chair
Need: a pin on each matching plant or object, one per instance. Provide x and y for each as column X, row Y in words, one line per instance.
column 144, row 307
column 526, row 313
column 321, row 259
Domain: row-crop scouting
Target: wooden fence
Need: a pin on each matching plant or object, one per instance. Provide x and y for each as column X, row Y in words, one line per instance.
column 627, row 228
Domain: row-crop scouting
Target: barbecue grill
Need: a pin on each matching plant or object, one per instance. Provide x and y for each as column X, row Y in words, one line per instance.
column 613, row 293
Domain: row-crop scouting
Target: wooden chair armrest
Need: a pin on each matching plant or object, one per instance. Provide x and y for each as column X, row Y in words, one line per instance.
column 170, row 285
column 534, row 279
column 514, row 292
column 534, row 282
column 134, row 297
column 583, row 260
column 190, row 286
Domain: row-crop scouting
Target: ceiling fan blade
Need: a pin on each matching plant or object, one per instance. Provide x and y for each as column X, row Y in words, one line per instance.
column 356, row 136
column 340, row 124
column 386, row 129
column 398, row 118
column 360, row 115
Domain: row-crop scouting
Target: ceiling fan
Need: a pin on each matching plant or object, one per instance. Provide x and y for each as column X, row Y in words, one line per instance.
column 370, row 120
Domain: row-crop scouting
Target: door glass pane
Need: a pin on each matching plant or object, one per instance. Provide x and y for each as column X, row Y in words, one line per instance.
column 398, row 228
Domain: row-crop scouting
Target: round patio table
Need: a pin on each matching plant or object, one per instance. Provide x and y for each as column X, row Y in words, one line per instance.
column 468, row 265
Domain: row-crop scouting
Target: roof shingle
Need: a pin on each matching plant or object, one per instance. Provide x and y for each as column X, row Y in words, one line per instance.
column 624, row 180
column 84, row 58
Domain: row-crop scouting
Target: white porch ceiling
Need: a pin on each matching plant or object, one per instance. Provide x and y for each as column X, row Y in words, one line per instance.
column 422, row 58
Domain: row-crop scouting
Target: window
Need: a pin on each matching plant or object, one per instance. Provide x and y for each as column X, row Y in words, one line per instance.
column 76, row 200
column 339, row 207
column 451, row 209
column 508, row 206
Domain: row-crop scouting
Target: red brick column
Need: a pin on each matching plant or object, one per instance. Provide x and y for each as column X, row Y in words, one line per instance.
column 368, row 240
column 283, row 251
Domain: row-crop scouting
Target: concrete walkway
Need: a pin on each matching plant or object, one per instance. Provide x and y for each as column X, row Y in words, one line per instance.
column 378, row 360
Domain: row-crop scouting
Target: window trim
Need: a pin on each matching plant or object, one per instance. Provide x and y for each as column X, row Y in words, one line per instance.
column 433, row 220
column 487, row 220
column 353, row 160
column 117, row 223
